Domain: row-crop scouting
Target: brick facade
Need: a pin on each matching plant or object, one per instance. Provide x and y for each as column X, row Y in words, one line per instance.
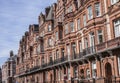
column 9, row 69
column 75, row 41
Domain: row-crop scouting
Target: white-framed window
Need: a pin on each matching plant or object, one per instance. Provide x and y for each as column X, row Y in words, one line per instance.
column 80, row 47
column 92, row 42
column 75, row 72
column 114, row 1
column 97, row 10
column 90, row 14
column 49, row 28
column 59, row 75
column 94, row 71
column 66, row 29
column 68, row 51
column 100, row 36
column 50, row 58
column 57, row 54
column 86, row 43
column 69, row 74
column 62, row 52
column 56, row 35
column 119, row 64
column 88, row 73
column 38, row 49
column 74, row 49
column 72, row 26
column 117, row 28
column 84, row 20
column 78, row 24
column 42, row 60
column 49, row 42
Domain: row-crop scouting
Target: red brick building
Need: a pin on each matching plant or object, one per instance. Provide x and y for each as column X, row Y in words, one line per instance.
column 75, row 41
column 8, row 69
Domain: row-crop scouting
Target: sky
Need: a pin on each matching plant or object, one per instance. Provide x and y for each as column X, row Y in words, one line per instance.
column 15, row 18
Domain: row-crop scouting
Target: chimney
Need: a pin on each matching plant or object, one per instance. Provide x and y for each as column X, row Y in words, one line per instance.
column 11, row 53
column 47, row 11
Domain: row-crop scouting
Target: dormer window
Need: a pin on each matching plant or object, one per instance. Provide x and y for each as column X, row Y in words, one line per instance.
column 49, row 28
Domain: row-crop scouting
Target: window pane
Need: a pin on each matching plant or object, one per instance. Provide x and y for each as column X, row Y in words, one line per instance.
column 117, row 28
column 84, row 20
column 97, row 9
column 90, row 15
column 78, row 24
column 72, row 26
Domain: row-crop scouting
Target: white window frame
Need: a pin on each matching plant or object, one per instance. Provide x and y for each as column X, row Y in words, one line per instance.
column 119, row 64
column 94, row 69
column 56, row 34
column 74, row 49
column 78, row 24
column 117, row 28
column 49, row 28
column 80, row 46
column 72, row 26
column 69, row 74
column 66, row 29
column 68, row 51
column 100, row 34
column 88, row 73
column 76, row 72
column 97, row 9
column 90, row 12
column 84, row 20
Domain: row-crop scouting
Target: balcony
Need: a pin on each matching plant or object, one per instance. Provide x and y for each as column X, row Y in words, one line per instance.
column 90, row 51
column 111, row 44
column 34, row 69
column 69, row 15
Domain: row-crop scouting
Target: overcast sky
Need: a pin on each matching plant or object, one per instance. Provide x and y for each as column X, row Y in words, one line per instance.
column 15, row 18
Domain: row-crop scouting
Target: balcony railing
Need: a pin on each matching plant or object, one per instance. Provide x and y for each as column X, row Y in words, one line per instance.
column 112, row 44
column 109, row 44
